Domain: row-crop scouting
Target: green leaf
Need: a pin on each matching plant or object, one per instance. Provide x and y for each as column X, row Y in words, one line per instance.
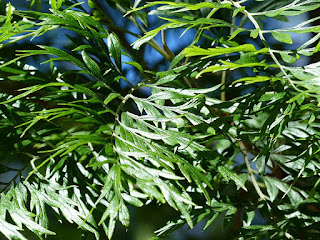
column 124, row 215
column 256, row 79
column 32, row 123
column 274, row 13
column 11, row 231
column 54, row 51
column 282, row 37
column 136, row 65
column 185, row 213
column 132, row 200
column 317, row 47
column 288, row 58
column 233, row 66
column 87, row 91
column 299, row 98
column 35, row 89
column 255, row 33
column 149, row 35
column 172, row 138
column 271, row 188
column 110, row 97
column 235, row 33
column 114, row 46
column 229, row 175
column 271, row 97
column 210, row 221
column 144, row 39
column 91, row 64
column 212, row 52
column 53, row 4
column 235, row 12
column 166, row 79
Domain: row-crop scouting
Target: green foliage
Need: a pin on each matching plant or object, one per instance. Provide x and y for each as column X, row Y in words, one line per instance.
column 230, row 128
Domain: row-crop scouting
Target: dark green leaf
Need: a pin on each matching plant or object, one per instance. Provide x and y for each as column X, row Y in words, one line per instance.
column 114, row 46
column 91, row 64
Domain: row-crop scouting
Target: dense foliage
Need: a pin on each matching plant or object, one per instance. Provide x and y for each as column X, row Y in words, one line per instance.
column 226, row 125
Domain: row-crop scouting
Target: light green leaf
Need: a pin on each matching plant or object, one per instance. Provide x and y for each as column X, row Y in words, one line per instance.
column 255, row 33
column 255, row 79
column 288, row 58
column 274, row 13
column 110, row 97
column 282, row 37
column 233, row 66
column 149, row 35
column 136, row 65
column 212, row 52
column 317, row 47
column 235, row 12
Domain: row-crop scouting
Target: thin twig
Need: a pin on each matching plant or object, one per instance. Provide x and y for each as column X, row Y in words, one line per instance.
column 223, row 87
column 165, row 46
column 244, row 152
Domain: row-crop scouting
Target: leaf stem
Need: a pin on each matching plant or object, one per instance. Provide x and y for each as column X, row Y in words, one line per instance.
column 124, row 100
column 244, row 152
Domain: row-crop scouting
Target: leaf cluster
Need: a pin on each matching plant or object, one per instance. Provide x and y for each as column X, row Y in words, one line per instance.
column 230, row 128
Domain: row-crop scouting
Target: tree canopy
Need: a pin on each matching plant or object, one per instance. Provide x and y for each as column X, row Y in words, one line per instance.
column 103, row 114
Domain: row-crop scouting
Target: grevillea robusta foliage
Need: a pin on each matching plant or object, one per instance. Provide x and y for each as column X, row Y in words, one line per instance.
column 225, row 125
